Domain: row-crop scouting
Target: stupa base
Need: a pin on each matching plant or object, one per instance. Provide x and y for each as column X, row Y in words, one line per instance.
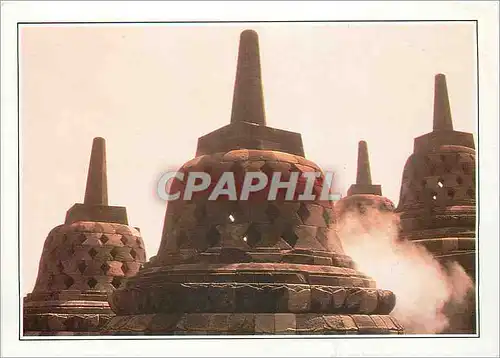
column 40, row 324
column 251, row 324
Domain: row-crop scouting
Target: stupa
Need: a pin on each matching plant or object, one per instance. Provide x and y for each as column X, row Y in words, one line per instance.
column 250, row 266
column 82, row 261
column 437, row 202
column 363, row 195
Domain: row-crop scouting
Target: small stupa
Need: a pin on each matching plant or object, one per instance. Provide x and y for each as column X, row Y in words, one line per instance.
column 82, row 261
column 364, row 195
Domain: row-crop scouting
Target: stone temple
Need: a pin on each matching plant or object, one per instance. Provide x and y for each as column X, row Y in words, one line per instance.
column 255, row 266
column 437, row 203
column 252, row 266
column 82, row 261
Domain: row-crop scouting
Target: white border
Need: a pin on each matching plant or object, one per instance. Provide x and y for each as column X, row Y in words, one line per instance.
column 487, row 15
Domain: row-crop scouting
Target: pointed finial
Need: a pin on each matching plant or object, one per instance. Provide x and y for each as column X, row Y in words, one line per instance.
column 248, row 100
column 363, row 176
column 442, row 112
column 96, row 192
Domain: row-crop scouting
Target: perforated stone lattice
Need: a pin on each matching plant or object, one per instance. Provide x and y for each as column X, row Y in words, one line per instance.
column 199, row 224
column 439, row 179
column 89, row 256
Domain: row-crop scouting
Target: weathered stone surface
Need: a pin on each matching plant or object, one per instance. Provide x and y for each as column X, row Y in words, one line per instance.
column 83, row 260
column 253, row 266
column 437, row 205
column 249, row 323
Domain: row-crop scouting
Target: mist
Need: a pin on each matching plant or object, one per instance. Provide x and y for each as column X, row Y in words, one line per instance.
column 425, row 290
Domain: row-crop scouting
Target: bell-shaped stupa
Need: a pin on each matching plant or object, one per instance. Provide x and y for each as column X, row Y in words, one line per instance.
column 438, row 192
column 253, row 266
column 437, row 203
column 83, row 260
column 363, row 196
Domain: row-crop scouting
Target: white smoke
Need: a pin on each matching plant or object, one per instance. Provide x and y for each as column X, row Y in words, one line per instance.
column 423, row 288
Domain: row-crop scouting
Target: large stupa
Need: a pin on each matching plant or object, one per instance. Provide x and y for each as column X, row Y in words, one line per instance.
column 252, row 266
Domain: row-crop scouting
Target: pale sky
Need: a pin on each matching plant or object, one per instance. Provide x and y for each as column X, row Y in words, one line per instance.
column 152, row 90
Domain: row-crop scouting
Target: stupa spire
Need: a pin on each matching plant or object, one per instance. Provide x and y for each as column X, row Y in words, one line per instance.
column 248, row 100
column 96, row 192
column 442, row 112
column 363, row 176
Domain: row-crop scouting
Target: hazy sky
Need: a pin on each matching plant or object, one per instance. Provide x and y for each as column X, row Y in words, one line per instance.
column 152, row 90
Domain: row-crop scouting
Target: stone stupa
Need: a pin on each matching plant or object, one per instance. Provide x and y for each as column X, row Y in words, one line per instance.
column 82, row 261
column 250, row 266
column 437, row 203
column 364, row 195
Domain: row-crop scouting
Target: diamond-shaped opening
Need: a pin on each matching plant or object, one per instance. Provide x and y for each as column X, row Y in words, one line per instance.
column 303, row 212
column 68, row 282
column 133, row 253
column 289, row 236
column 459, row 180
column 237, row 213
column 92, row 252
column 440, row 182
column 272, row 211
column 213, row 236
column 451, row 193
column 114, row 252
column 252, row 236
column 81, row 266
column 104, row 239
column 470, row 193
column 105, row 267
column 81, row 238
column 60, row 266
column 361, row 207
column 124, row 240
column 92, row 282
column 116, row 281
column 434, row 195
column 125, row 268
